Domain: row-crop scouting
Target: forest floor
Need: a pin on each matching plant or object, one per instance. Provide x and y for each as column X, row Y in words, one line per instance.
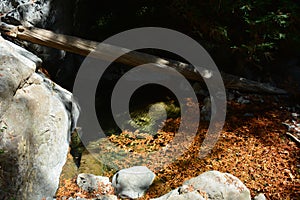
column 252, row 146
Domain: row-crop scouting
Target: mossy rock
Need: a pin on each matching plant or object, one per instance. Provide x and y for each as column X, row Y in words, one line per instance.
column 149, row 119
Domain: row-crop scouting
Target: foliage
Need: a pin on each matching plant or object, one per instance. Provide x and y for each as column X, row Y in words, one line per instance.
column 254, row 32
column 255, row 29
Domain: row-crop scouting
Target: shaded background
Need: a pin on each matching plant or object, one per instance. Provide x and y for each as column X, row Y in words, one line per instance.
column 258, row 40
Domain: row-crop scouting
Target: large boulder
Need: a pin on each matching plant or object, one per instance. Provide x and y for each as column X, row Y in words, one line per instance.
column 132, row 182
column 36, row 118
column 54, row 15
column 212, row 185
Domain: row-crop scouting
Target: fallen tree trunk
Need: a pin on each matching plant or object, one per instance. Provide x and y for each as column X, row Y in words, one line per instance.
column 133, row 58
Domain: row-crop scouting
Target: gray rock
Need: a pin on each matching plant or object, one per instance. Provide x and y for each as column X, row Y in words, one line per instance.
column 194, row 195
column 220, row 186
column 211, row 185
column 12, row 75
column 178, row 195
column 55, row 15
column 169, row 195
column 242, row 100
column 108, row 197
column 102, row 197
column 36, row 118
column 50, row 198
column 26, row 54
column 261, row 196
column 77, row 198
column 132, row 182
column 90, row 182
column 295, row 115
column 26, row 12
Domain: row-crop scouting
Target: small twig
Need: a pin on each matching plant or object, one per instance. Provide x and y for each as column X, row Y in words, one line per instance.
column 294, row 137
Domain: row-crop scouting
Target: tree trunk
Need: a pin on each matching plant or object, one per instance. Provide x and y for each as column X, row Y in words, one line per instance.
column 131, row 58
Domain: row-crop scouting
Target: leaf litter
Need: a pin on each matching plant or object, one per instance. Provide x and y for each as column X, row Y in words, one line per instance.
column 254, row 148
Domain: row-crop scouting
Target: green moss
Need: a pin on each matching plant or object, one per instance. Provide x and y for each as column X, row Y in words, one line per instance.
column 150, row 118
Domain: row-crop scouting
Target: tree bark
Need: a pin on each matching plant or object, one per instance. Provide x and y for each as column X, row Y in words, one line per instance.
column 131, row 58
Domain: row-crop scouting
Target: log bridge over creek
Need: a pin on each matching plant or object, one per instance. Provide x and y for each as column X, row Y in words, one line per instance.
column 131, row 58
